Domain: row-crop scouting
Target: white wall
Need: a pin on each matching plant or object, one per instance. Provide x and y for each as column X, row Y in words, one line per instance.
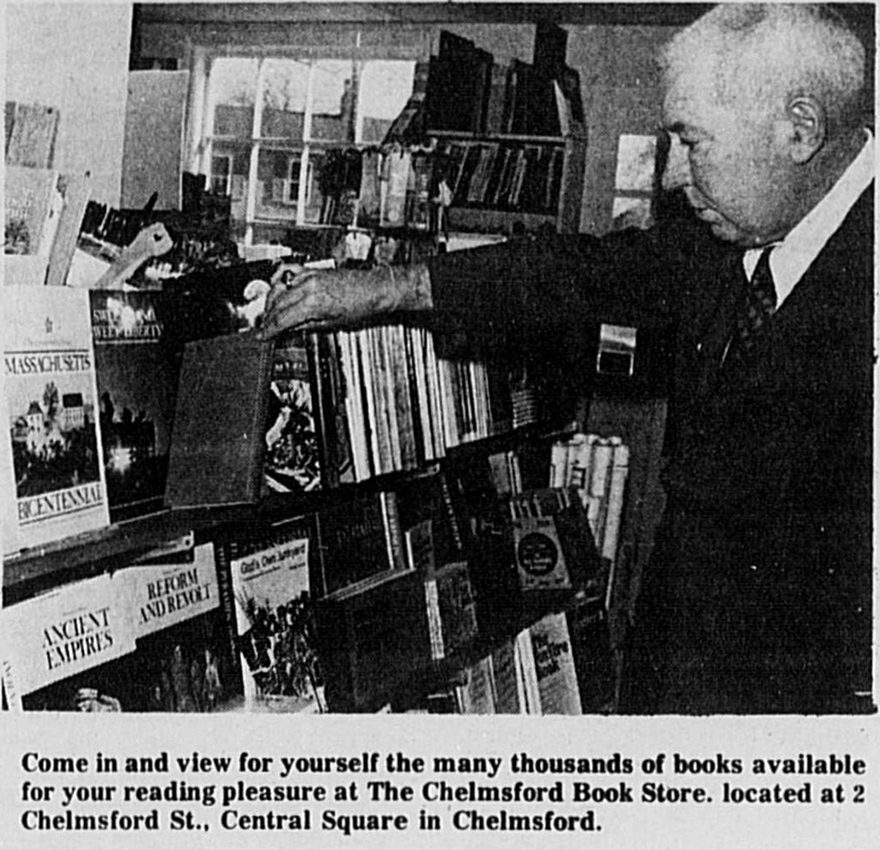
column 74, row 56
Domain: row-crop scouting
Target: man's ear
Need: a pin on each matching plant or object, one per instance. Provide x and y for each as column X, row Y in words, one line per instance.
column 807, row 127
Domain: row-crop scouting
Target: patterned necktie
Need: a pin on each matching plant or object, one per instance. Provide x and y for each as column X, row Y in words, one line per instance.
column 759, row 303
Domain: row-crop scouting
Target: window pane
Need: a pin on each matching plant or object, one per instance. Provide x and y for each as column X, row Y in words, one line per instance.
column 230, row 162
column 333, row 88
column 385, row 87
column 284, row 98
column 233, row 89
column 277, row 183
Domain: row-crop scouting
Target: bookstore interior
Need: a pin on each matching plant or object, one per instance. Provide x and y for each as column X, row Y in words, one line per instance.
column 365, row 520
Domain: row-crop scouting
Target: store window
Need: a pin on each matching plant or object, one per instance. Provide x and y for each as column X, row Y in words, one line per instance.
column 270, row 121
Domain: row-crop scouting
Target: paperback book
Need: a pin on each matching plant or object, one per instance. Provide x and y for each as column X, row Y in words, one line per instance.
column 51, row 455
column 273, row 589
column 137, row 371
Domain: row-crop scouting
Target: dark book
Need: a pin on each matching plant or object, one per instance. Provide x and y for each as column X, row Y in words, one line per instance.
column 137, row 372
column 458, row 85
column 553, row 543
column 374, row 641
column 428, row 497
column 218, row 438
column 292, row 463
column 361, row 538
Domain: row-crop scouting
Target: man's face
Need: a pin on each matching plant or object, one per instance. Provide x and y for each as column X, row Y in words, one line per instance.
column 728, row 162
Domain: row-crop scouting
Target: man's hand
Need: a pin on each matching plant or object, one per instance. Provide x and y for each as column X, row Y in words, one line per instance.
column 318, row 299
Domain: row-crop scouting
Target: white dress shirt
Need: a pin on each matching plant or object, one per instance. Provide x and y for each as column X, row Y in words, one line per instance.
column 792, row 257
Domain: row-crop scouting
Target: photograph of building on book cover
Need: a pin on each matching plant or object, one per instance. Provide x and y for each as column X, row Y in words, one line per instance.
column 52, row 448
column 53, row 434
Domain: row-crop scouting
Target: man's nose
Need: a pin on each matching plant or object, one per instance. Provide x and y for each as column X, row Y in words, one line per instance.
column 678, row 170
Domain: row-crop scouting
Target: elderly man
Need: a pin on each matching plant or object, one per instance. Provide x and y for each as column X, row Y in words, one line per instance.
column 758, row 595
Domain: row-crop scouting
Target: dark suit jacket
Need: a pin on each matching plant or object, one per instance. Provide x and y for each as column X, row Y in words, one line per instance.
column 758, row 595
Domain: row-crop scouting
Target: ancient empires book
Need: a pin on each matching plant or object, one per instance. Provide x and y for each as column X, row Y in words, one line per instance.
column 62, row 633
column 218, row 437
column 51, row 454
column 137, row 372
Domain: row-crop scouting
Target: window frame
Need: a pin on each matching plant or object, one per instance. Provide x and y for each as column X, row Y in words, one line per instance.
column 201, row 114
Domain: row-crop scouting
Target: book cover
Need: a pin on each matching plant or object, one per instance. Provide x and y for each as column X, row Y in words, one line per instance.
column 555, row 670
column 61, row 634
column 31, row 131
column 478, row 691
column 540, row 560
column 51, row 458
column 273, row 588
column 292, row 463
column 32, row 206
column 218, row 436
column 137, row 372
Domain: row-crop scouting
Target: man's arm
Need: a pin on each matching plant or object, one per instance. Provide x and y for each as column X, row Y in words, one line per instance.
column 531, row 287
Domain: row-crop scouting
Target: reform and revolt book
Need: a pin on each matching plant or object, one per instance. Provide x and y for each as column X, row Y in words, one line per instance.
column 51, row 459
column 137, row 374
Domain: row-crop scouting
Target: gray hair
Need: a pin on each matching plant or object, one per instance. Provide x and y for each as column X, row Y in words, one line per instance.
column 761, row 53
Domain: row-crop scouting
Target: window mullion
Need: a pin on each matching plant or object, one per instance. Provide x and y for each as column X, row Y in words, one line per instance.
column 254, row 165
column 301, row 195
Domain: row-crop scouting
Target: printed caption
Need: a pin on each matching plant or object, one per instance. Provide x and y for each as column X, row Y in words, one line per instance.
column 393, row 792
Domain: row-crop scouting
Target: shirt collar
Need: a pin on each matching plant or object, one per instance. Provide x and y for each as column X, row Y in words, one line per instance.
column 792, row 257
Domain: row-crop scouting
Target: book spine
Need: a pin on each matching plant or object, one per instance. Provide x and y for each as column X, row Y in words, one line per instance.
column 619, row 473
column 224, row 551
column 394, row 533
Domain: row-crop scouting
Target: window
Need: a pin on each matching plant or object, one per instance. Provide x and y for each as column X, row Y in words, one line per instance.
column 269, row 122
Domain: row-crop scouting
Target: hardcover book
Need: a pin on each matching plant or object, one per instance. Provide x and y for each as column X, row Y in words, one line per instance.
column 137, row 373
column 51, row 455
column 218, row 437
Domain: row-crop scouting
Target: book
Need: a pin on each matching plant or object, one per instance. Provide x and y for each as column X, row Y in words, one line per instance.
column 31, row 131
column 62, row 633
column 51, row 461
column 555, row 682
column 361, row 538
column 137, row 370
column 74, row 190
column 273, row 585
column 553, row 543
column 218, row 437
column 477, row 694
column 292, row 462
column 452, row 609
column 374, row 641
column 32, row 207
column 332, row 396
